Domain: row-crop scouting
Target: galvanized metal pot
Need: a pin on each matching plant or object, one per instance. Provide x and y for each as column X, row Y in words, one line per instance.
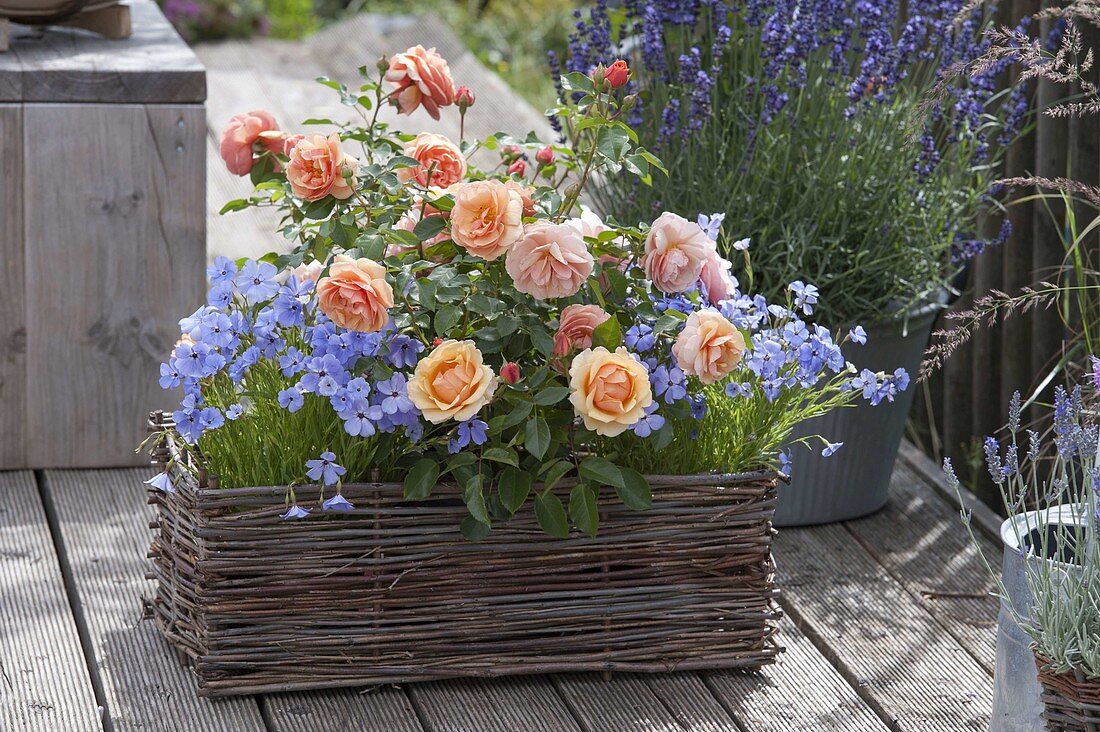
column 856, row 480
column 1017, row 706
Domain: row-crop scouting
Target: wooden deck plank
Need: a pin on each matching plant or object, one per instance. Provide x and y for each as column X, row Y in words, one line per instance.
column 384, row 709
column 801, row 692
column 45, row 681
column 103, row 520
column 513, row 704
column 13, row 318
column 676, row 702
column 908, row 668
column 922, row 543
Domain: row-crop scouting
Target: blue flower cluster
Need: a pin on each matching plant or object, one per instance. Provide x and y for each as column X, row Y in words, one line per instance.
column 251, row 316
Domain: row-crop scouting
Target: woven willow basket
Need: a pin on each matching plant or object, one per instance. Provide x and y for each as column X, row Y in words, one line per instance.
column 1071, row 702
column 391, row 592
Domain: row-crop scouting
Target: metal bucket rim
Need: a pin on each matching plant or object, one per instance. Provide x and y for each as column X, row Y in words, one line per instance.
column 1015, row 526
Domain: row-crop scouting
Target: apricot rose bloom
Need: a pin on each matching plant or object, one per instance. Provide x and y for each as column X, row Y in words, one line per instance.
column 452, row 382
column 355, row 294
column 487, row 218
column 239, row 137
column 436, row 153
column 575, row 326
column 316, row 168
column 421, row 76
column 609, row 391
column 550, row 261
column 716, row 278
column 675, row 251
column 708, row 347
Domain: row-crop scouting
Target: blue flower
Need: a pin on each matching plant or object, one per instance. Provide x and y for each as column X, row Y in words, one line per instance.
column 162, row 482
column 222, row 271
column 327, row 386
column 337, row 503
column 712, row 224
column 805, row 296
column 741, row 245
column 785, row 462
column 289, row 311
column 295, row 512
column 649, row 423
column 403, row 351
column 831, row 448
column 639, row 338
column 170, row 376
column 291, row 399
column 358, row 387
column 360, row 417
column 472, row 430
column 394, row 395
column 211, row 418
column 291, row 362
column 735, row 389
column 256, row 281
column 220, row 295
column 325, row 469
column 858, row 335
column 234, row 412
column 669, row 382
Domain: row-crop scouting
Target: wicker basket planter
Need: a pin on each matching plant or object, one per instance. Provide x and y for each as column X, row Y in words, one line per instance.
column 392, row 592
column 1071, row 702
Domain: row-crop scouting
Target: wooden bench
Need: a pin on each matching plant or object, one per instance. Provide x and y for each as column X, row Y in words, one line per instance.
column 102, row 240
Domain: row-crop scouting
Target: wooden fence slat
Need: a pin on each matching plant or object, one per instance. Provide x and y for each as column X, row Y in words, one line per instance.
column 498, row 705
column 44, row 681
column 911, row 671
column 677, row 702
column 103, row 521
column 13, row 322
column 385, row 709
column 114, row 260
column 801, row 692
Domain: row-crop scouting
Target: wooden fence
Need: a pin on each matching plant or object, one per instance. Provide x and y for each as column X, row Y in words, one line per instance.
column 968, row 398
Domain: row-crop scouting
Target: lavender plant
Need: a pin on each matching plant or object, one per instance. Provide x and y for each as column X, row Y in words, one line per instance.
column 1064, row 527
column 807, row 123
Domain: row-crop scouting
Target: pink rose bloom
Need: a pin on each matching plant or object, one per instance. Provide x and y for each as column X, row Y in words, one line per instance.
column 487, row 218
column 421, row 76
column 675, row 251
column 355, row 294
column 716, row 278
column 308, row 272
column 525, row 194
column 437, row 154
column 708, row 347
column 550, row 261
column 316, row 168
column 575, row 327
column 588, row 223
column 242, row 132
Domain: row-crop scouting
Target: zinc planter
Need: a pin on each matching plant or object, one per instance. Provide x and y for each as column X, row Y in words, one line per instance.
column 1017, row 694
column 856, row 480
column 390, row 591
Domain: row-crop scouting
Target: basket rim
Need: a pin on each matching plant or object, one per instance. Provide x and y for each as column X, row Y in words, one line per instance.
column 160, row 420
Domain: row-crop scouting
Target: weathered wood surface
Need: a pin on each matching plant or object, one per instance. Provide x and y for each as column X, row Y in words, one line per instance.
column 802, row 692
column 44, row 682
column 13, row 319
column 54, row 64
column 384, row 709
column 279, row 76
column 103, row 522
column 905, row 664
column 500, row 705
column 114, row 257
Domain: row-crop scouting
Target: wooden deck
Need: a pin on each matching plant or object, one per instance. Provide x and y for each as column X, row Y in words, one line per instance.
column 888, row 627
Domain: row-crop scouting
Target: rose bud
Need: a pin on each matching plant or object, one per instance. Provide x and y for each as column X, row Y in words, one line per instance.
column 510, row 152
column 617, row 74
column 436, row 341
column 510, row 372
column 464, row 98
column 545, row 155
column 517, row 168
